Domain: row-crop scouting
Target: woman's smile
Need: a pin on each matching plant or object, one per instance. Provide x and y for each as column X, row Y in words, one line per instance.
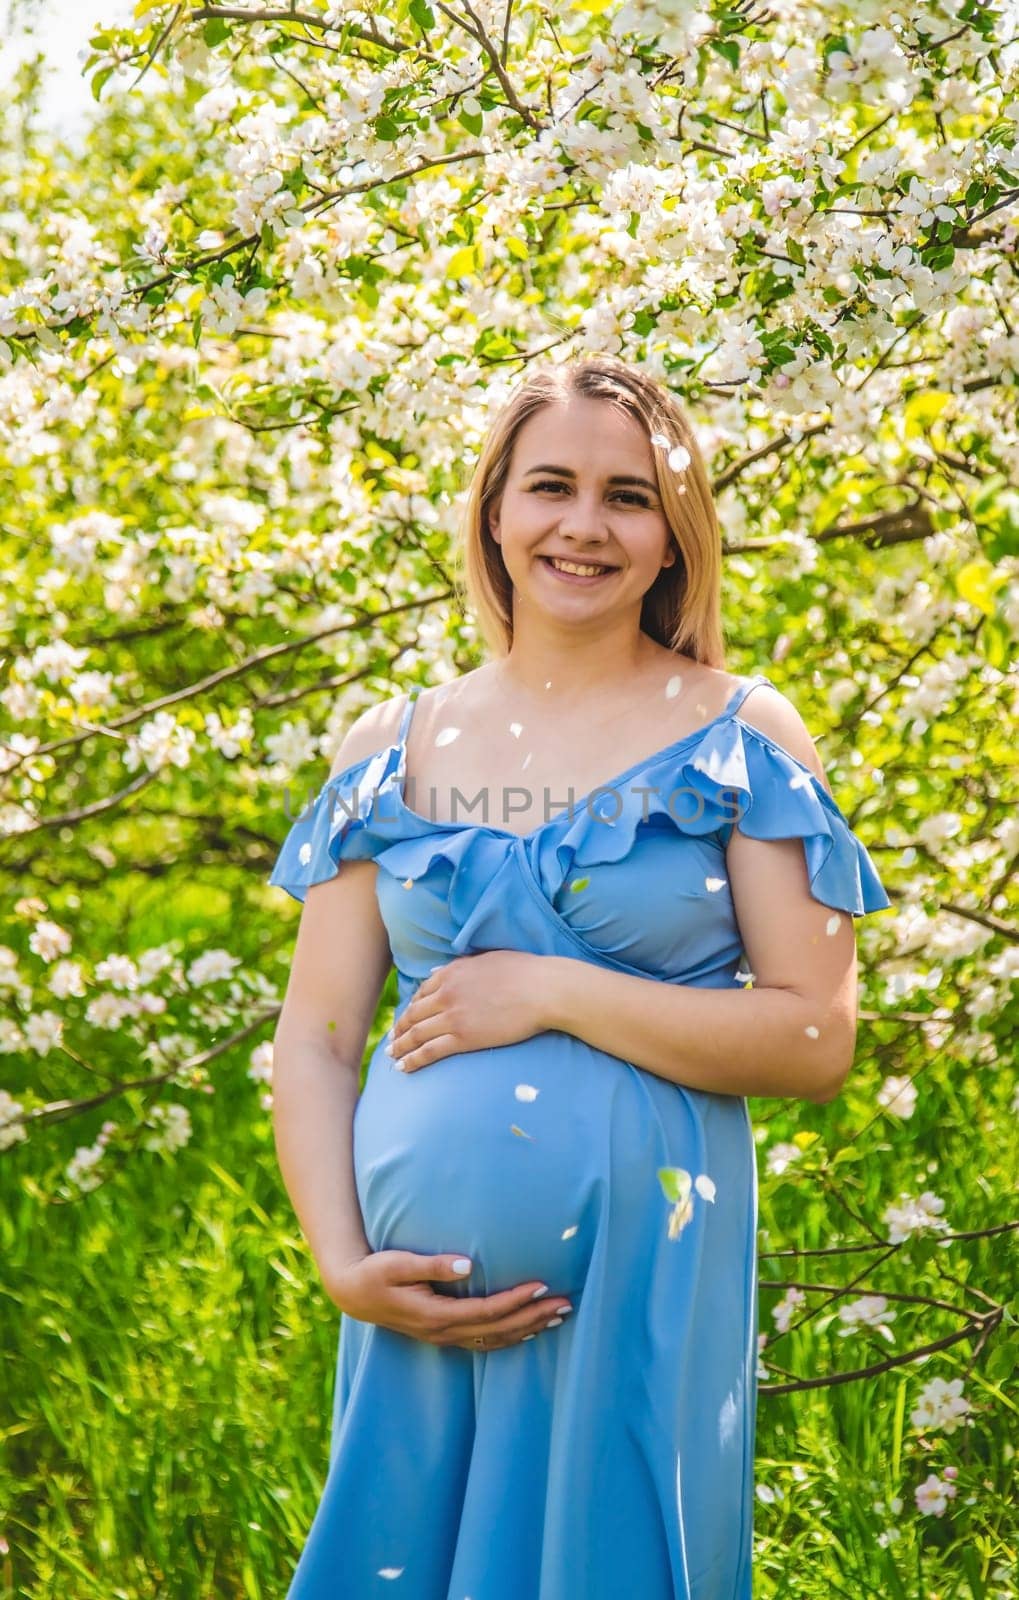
column 577, row 572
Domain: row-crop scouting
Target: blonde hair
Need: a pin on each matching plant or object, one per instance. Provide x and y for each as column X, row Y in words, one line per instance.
column 682, row 610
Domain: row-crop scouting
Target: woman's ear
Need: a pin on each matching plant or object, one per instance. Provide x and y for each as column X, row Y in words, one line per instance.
column 493, row 520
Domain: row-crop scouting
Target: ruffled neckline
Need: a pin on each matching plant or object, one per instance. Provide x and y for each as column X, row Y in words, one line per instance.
column 580, row 807
column 728, row 769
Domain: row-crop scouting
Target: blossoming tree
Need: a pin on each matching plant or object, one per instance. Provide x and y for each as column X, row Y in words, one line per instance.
column 249, row 340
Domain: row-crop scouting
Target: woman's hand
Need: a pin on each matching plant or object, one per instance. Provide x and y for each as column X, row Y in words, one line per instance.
column 471, row 1003
column 393, row 1289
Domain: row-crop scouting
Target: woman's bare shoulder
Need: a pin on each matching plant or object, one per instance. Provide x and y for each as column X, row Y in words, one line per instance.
column 378, row 727
column 773, row 713
column 374, row 729
column 465, row 694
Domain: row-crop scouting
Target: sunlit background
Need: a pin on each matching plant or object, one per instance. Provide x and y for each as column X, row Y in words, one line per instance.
column 58, row 30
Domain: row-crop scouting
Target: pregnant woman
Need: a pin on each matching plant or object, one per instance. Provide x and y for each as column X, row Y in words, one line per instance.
column 619, row 898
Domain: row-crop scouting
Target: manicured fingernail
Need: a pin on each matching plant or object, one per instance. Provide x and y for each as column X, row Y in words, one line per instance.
column 526, row 1337
column 564, row 1311
column 462, row 1266
column 539, row 1292
column 554, row 1323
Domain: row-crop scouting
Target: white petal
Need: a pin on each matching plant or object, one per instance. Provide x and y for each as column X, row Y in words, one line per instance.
column 705, row 1186
column 526, row 1091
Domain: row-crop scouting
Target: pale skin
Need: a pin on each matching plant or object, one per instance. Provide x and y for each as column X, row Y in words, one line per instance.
column 586, row 686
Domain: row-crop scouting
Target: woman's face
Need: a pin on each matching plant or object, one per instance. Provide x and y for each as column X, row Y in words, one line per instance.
column 582, row 486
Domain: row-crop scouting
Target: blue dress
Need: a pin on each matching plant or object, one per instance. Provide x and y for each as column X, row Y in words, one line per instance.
column 610, row 1458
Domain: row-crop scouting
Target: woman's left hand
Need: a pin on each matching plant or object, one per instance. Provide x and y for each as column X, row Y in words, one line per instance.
column 471, row 1003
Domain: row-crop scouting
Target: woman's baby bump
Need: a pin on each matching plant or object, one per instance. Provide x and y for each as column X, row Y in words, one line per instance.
column 503, row 1154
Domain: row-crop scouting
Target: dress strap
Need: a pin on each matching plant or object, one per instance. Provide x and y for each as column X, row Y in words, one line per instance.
column 408, row 712
column 741, row 691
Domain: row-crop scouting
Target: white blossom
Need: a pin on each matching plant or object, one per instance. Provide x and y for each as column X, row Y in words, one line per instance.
column 941, row 1405
column 897, row 1096
column 932, row 1496
column 915, row 1215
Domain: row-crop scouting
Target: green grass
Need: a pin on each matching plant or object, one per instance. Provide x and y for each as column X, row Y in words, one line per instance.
column 169, row 1380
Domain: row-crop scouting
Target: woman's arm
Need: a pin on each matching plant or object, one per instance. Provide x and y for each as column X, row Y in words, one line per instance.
column 340, row 964
column 794, row 1032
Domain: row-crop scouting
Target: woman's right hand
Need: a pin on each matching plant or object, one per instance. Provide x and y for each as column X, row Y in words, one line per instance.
column 393, row 1289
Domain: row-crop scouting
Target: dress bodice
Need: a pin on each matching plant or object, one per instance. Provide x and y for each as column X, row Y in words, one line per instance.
column 634, row 875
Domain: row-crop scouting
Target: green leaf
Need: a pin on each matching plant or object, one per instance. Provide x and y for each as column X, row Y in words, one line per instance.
column 423, row 14
column 462, row 263
column 727, row 48
column 898, row 1422
column 100, row 78
column 975, row 583
column 837, row 44
column 676, row 1183
column 938, row 256
column 994, row 642
column 386, row 128
column 215, row 31
column 1001, row 1362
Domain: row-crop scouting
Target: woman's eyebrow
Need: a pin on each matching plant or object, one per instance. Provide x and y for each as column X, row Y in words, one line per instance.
column 567, row 472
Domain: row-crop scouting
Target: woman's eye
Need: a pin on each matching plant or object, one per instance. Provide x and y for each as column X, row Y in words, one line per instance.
column 629, row 494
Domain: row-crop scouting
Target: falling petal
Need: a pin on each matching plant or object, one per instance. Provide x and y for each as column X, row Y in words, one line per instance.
column 679, row 458
column 800, row 780
column 714, row 883
column 833, row 925
column 675, row 1182
column 516, row 729
column 526, row 761
column 679, row 1216
column 568, row 1233
column 673, row 686
column 408, row 883
column 526, row 1091
column 705, row 1186
column 812, row 1032
column 304, row 854
column 578, row 884
column 390, row 1572
column 447, row 735
column 548, row 683
column 520, row 1132
column 662, row 440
